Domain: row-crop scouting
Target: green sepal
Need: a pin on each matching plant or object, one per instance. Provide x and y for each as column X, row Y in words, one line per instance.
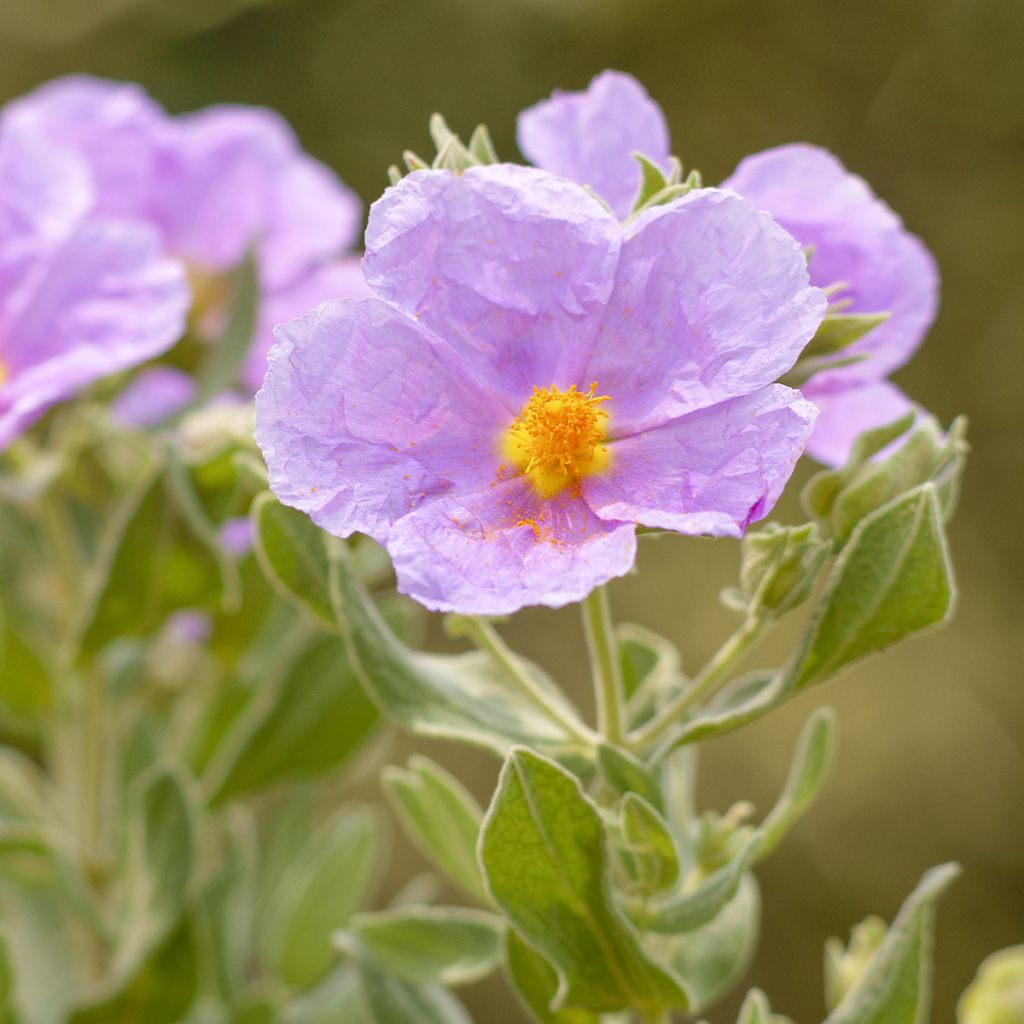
column 428, row 945
column 895, row 986
column 543, row 849
column 839, row 330
column 481, row 147
column 442, row 819
column 845, row 964
column 757, row 1010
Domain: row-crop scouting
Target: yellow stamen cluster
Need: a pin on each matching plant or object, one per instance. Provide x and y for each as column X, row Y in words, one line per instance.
column 556, row 438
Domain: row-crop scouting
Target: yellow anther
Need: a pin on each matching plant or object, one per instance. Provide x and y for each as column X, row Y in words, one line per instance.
column 556, row 438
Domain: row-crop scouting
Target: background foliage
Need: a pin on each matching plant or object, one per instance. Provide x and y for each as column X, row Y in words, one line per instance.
column 926, row 100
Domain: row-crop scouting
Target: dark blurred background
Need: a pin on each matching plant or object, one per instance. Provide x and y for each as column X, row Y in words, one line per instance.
column 925, row 98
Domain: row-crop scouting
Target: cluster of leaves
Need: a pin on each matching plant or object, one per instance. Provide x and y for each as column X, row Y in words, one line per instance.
column 599, row 887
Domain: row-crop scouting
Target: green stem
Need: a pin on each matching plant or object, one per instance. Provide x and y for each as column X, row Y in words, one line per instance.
column 487, row 639
column 706, row 684
column 604, row 661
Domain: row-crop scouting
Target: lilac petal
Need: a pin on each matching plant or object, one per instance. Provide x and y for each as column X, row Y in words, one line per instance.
column 361, row 418
column 106, row 301
column 497, row 550
column 845, row 414
column 340, row 280
column 119, row 132
column 508, row 264
column 153, row 396
column 711, row 472
column 590, row 136
column 857, row 240
column 711, row 301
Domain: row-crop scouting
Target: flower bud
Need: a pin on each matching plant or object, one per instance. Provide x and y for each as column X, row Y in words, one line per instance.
column 996, row 996
column 843, row 967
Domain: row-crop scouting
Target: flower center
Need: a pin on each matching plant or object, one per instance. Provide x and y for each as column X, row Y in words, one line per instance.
column 556, row 438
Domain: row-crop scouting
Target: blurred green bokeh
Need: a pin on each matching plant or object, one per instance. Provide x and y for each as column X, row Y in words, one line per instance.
column 925, row 98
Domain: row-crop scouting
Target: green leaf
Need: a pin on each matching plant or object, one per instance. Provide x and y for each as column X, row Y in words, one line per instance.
column 390, row 998
column 292, row 551
column 446, row 946
column 807, row 774
column 623, row 773
column 338, row 999
column 650, row 666
column 650, row 849
column 536, row 981
column 895, row 986
column 223, row 364
column 441, row 818
column 652, row 181
column 159, row 865
column 159, row 992
column 892, row 579
column 310, row 722
column 8, row 1014
column 692, row 910
column 543, row 851
column 840, row 330
column 325, row 884
column 996, row 996
column 711, row 959
column 26, row 689
column 780, row 564
column 462, row 697
column 756, row 1010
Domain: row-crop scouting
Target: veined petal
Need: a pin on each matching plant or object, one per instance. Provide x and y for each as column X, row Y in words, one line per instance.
column 711, row 301
column 361, row 418
column 502, row 548
column 105, row 301
column 857, row 240
column 590, row 136
column 713, row 471
column 844, row 414
column 510, row 265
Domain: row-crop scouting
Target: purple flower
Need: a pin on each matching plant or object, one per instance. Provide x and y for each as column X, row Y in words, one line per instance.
column 535, row 380
column 215, row 184
column 590, row 136
column 235, row 536
column 80, row 296
column 151, row 397
column 856, row 240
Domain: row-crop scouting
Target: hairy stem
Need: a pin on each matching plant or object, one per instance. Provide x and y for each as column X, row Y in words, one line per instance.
column 604, row 661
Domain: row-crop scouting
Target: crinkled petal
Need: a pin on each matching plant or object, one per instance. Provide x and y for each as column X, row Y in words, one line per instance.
column 340, row 280
column 844, row 414
column 152, row 396
column 711, row 472
column 121, row 134
column 590, row 136
column 510, row 265
column 107, row 300
column 361, row 418
column 856, row 240
column 501, row 548
column 711, row 301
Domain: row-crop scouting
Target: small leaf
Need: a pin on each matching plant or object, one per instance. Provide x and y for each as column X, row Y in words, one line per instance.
column 624, row 774
column 696, row 908
column 756, row 1010
column 322, row 888
column 652, row 181
column 536, row 981
column 840, row 330
column 807, row 774
column 711, row 959
column 441, row 818
column 543, row 851
column 390, row 998
column 650, row 847
column 895, row 986
column 892, row 579
column 446, row 946
column 481, row 146
column 292, row 552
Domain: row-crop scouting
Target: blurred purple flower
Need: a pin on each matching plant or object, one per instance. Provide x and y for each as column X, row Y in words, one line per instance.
column 540, row 380
column 81, row 296
column 190, row 625
column 215, row 184
column 590, row 136
column 856, row 240
column 151, row 397
column 235, row 536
